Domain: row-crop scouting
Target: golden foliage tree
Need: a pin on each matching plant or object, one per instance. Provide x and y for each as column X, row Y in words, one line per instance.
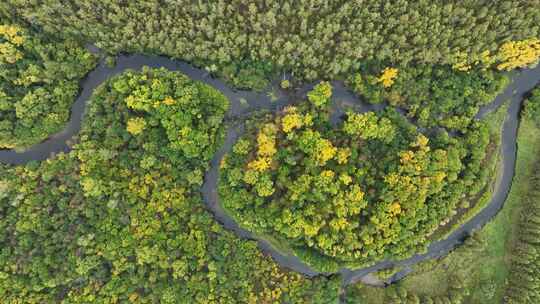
column 518, row 54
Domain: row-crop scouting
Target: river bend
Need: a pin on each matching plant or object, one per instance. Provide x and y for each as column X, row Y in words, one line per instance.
column 244, row 102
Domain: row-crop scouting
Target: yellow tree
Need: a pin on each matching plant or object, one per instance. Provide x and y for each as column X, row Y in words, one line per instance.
column 13, row 38
column 136, row 125
column 388, row 77
column 518, row 54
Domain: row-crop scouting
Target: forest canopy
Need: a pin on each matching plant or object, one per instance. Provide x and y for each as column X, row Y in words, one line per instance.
column 312, row 39
column 369, row 187
column 120, row 218
column 39, row 81
column 434, row 96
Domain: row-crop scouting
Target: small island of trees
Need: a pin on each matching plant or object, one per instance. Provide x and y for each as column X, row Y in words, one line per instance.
column 367, row 188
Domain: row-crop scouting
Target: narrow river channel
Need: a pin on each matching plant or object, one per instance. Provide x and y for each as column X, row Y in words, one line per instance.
column 244, row 102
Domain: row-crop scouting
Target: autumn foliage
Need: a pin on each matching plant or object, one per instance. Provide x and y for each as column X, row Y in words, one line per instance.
column 518, row 54
column 370, row 187
column 244, row 42
column 120, row 219
column 388, row 76
column 38, row 83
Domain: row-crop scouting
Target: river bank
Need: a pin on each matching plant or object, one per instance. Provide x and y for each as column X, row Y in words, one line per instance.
column 245, row 102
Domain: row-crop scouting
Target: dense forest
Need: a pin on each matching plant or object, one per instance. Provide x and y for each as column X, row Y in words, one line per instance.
column 39, row 81
column 435, row 96
column 120, row 218
column 497, row 264
column 245, row 41
column 353, row 191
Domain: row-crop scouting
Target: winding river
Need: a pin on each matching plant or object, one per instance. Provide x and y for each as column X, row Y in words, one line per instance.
column 244, row 102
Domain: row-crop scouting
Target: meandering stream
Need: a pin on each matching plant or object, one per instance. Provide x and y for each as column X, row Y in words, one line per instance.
column 244, row 102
